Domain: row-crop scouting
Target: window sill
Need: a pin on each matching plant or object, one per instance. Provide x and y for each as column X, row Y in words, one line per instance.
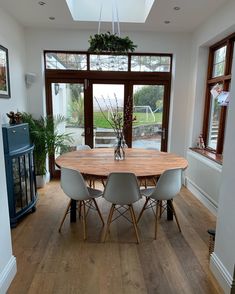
column 208, row 154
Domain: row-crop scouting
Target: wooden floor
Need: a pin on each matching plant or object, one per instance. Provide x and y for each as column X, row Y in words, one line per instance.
column 49, row 262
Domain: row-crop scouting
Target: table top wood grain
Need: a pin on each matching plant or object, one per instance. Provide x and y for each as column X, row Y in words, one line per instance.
column 100, row 162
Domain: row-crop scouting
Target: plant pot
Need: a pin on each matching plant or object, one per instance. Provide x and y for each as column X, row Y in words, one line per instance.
column 40, row 181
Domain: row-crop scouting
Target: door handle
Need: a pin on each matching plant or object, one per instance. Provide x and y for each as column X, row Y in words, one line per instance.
column 163, row 131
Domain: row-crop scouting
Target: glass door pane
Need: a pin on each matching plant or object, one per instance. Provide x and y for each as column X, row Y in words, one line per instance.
column 107, row 99
column 147, row 126
column 213, row 129
column 68, row 101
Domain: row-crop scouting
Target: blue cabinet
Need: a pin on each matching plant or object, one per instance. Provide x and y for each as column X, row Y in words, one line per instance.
column 20, row 175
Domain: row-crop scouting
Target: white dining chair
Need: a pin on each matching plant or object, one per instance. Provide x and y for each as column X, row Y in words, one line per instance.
column 83, row 147
column 167, row 187
column 90, row 180
column 74, row 186
column 122, row 190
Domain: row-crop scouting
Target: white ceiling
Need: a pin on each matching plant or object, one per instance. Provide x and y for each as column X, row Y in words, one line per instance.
column 192, row 13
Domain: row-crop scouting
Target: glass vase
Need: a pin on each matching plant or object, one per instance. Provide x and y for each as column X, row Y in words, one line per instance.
column 119, row 148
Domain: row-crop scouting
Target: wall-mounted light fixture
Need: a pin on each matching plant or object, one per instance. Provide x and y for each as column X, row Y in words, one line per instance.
column 30, row 78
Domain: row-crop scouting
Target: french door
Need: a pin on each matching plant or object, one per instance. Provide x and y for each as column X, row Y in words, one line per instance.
column 87, row 106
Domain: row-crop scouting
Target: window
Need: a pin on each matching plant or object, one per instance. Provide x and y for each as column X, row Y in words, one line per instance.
column 131, row 62
column 219, row 73
column 66, row 61
column 150, row 63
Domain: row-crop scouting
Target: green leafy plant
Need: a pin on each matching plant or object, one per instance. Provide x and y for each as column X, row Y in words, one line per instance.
column 107, row 42
column 46, row 139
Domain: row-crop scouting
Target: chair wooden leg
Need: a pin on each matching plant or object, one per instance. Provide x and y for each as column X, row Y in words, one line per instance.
column 134, row 222
column 176, row 218
column 142, row 210
column 156, row 219
column 98, row 210
column 109, row 221
column 84, row 220
column 66, row 212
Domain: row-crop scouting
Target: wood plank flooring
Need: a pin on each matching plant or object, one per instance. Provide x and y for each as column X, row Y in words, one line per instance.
column 49, row 262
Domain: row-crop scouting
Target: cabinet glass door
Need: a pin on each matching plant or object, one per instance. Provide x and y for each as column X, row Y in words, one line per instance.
column 22, row 181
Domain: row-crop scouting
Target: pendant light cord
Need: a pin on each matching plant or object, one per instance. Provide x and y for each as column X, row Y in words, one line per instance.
column 114, row 15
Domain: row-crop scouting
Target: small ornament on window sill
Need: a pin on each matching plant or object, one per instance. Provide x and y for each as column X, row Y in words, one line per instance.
column 200, row 142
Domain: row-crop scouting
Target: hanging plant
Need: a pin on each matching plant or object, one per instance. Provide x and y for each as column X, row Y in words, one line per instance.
column 107, row 42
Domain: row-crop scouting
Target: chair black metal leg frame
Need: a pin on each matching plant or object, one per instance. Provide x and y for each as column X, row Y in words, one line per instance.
column 134, row 222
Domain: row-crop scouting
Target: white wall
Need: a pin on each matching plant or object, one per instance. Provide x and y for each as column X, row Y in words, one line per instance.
column 216, row 28
column 223, row 258
column 7, row 260
column 178, row 44
column 11, row 37
column 218, row 185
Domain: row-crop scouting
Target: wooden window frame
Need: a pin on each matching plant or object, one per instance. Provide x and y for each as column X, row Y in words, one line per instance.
column 128, row 78
column 225, row 81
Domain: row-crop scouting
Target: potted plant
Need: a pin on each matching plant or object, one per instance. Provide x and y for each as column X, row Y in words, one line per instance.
column 47, row 140
column 107, row 42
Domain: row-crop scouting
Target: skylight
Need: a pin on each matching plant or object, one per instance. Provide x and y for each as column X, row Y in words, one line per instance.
column 135, row 11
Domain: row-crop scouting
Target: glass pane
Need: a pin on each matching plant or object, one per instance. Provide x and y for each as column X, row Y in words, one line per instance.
column 68, row 101
column 28, row 177
column 66, row 61
column 219, row 62
column 109, row 62
column 147, row 114
column 215, row 109
column 218, row 69
column 220, row 54
column 107, row 99
column 150, row 63
column 17, row 183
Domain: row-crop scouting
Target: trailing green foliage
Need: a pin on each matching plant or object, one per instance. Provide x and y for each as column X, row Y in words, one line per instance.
column 107, row 42
column 46, row 139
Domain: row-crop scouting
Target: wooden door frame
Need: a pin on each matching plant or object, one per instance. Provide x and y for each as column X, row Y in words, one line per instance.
column 165, row 114
column 49, row 110
column 127, row 78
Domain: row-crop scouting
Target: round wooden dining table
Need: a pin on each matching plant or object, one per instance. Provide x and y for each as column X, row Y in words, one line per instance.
column 99, row 163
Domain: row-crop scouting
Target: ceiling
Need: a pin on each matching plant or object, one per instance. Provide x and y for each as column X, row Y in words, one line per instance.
column 190, row 15
column 83, row 10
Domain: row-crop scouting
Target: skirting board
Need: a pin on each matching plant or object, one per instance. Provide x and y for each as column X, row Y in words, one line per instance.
column 201, row 195
column 7, row 275
column 224, row 278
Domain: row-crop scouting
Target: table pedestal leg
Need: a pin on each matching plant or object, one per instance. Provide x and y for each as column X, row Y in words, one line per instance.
column 169, row 210
column 73, row 211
